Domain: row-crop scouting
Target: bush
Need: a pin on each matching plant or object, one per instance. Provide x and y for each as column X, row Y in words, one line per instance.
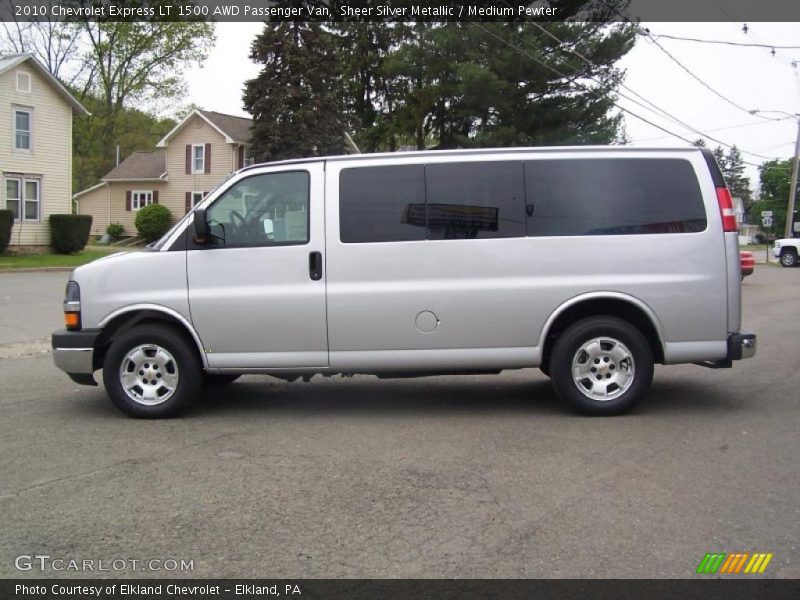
column 6, row 223
column 153, row 221
column 69, row 233
column 115, row 230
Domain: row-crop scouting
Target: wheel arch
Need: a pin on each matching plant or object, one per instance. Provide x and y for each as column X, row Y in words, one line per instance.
column 126, row 318
column 594, row 304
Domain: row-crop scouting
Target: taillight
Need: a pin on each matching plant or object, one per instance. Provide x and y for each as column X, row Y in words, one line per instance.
column 726, row 209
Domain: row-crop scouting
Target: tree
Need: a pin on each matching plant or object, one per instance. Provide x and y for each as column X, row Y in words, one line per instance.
column 296, row 100
column 56, row 44
column 775, row 177
column 738, row 183
column 119, row 71
column 92, row 157
column 461, row 84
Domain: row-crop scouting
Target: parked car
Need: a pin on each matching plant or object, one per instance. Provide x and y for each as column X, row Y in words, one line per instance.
column 748, row 263
column 424, row 263
column 787, row 250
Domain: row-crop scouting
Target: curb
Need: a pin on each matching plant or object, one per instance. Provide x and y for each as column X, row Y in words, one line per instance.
column 39, row 270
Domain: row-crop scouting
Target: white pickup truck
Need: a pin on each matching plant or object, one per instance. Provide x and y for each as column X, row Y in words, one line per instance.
column 787, row 251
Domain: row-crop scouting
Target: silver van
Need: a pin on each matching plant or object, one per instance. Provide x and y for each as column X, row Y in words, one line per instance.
column 591, row 263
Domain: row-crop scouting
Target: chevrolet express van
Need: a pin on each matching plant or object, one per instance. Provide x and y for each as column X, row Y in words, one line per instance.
column 591, row 263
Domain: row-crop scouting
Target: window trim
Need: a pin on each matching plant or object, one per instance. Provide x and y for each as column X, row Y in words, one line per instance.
column 192, row 245
column 29, row 111
column 202, row 169
column 22, row 180
column 135, row 194
column 30, row 82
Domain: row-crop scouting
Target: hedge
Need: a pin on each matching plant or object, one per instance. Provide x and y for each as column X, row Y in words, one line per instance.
column 6, row 223
column 153, row 221
column 69, row 233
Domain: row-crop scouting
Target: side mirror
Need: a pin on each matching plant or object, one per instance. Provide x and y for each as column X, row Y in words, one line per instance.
column 201, row 234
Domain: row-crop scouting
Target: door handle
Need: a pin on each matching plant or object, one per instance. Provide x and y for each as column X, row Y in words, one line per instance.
column 315, row 266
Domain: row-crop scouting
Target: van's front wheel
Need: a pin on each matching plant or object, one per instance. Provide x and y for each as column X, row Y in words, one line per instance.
column 601, row 366
column 151, row 371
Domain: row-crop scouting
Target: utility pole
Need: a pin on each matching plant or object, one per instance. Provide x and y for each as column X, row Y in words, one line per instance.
column 793, row 187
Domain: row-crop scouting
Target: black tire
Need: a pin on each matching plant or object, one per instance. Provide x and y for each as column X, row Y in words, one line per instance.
column 216, row 379
column 789, row 257
column 617, row 338
column 165, row 351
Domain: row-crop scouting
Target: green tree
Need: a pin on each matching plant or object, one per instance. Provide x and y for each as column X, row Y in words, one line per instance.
column 296, row 100
column 775, row 177
column 92, row 157
column 732, row 166
column 483, row 84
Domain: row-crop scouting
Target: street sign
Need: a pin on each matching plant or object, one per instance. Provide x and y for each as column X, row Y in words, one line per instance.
column 766, row 213
column 766, row 221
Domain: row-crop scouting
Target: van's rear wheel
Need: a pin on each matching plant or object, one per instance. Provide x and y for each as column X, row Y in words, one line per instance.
column 151, row 371
column 789, row 257
column 601, row 366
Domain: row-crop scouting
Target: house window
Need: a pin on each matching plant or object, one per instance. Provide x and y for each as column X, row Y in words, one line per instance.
column 141, row 199
column 197, row 197
column 23, row 198
column 22, row 129
column 24, row 82
column 198, row 158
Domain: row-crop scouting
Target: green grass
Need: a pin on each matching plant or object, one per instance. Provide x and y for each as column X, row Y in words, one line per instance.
column 34, row 261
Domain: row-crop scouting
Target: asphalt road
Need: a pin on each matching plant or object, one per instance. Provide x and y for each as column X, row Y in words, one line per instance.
column 440, row 477
column 30, row 309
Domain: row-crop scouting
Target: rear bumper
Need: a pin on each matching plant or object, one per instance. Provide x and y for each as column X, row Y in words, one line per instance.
column 741, row 345
column 73, row 353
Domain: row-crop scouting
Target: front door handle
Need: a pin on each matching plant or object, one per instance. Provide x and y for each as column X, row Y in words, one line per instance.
column 315, row 266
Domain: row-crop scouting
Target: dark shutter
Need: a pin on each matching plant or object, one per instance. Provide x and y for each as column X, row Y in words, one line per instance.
column 208, row 158
column 188, row 159
column 155, row 196
column 188, row 201
column 241, row 156
column 128, row 200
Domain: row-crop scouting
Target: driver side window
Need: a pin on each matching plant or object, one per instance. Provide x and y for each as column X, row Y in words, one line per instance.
column 262, row 210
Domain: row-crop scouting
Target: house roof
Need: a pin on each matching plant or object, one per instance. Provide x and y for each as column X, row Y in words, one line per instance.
column 139, row 166
column 10, row 61
column 235, row 130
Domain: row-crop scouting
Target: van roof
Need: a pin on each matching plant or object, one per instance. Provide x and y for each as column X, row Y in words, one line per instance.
column 473, row 151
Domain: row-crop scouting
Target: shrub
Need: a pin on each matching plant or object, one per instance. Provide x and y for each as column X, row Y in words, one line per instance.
column 115, row 230
column 6, row 223
column 153, row 221
column 69, row 233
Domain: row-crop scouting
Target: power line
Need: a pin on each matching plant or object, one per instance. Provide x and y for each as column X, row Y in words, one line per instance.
column 750, row 124
column 700, row 81
column 722, row 42
column 675, row 119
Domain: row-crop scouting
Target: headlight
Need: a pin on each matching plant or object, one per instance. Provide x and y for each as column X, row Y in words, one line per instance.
column 72, row 306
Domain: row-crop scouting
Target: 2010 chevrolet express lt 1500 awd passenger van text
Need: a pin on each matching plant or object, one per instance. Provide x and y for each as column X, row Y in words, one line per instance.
column 590, row 263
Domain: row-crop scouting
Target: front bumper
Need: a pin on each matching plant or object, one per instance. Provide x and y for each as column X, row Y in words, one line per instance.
column 73, row 353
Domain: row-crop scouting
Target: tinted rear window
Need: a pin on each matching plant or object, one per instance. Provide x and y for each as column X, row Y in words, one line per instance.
column 612, row 196
column 475, row 200
column 381, row 204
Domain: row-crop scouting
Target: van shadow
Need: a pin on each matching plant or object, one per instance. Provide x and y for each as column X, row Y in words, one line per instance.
column 370, row 396
column 441, row 395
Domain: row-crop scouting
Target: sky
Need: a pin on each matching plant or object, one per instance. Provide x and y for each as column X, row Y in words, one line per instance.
column 749, row 77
